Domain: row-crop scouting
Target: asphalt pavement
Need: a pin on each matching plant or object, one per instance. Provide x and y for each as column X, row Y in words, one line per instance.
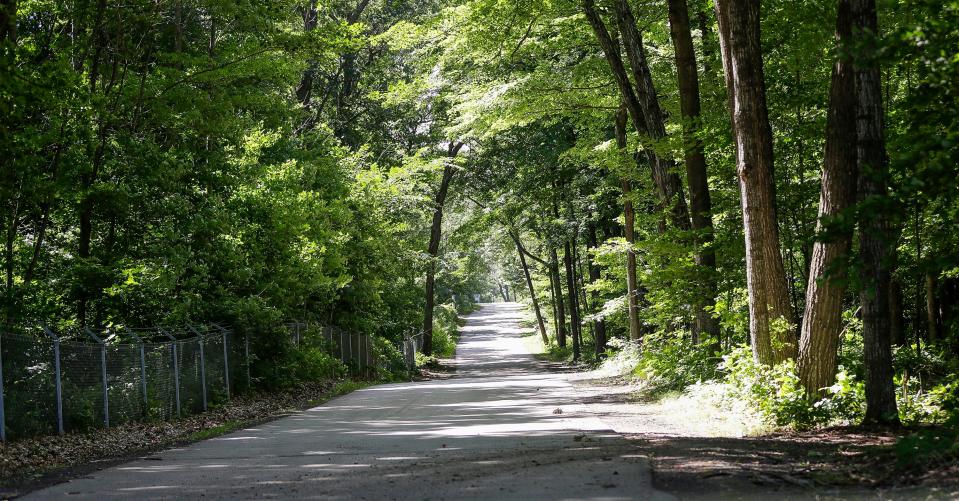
column 503, row 427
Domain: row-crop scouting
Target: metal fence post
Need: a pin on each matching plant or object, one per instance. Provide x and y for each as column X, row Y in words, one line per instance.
column 226, row 361
column 3, row 418
column 202, row 365
column 176, row 369
column 350, row 338
column 58, row 387
column 103, row 376
column 143, row 372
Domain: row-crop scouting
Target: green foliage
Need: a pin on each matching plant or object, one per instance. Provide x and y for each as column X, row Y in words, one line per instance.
column 930, row 448
column 778, row 396
column 669, row 363
column 446, row 323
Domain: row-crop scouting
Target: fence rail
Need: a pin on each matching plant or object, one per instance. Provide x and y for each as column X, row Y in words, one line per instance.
column 56, row 383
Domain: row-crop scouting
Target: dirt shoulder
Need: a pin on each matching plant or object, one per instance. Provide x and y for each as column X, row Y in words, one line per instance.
column 697, row 453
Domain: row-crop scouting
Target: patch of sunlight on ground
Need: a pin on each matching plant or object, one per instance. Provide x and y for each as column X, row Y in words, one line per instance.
column 708, row 410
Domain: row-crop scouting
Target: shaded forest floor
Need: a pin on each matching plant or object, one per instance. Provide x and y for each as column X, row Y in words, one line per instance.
column 694, row 458
column 30, row 464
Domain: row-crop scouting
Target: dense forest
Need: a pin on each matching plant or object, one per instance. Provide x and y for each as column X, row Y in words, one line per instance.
column 763, row 193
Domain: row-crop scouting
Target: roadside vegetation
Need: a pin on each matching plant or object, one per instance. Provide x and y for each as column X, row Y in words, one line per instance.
column 748, row 202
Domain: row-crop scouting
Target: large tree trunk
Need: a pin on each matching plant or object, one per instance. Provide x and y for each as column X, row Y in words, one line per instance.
column 822, row 321
column 629, row 217
column 560, row 307
column 599, row 326
column 642, row 104
column 771, row 320
column 695, row 160
column 874, row 238
column 436, row 234
column 532, row 291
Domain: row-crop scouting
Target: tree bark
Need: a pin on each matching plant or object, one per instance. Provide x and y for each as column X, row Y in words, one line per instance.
column 642, row 104
column 667, row 182
column 599, row 326
column 304, row 90
column 629, row 219
column 436, row 233
column 529, row 284
column 695, row 159
column 874, row 238
column 87, row 203
column 8, row 21
column 932, row 308
column 822, row 320
column 897, row 323
column 771, row 318
column 560, row 307
column 573, row 299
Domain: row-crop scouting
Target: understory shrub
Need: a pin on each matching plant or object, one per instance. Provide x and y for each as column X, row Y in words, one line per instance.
column 778, row 396
column 939, row 444
column 669, row 362
column 446, row 324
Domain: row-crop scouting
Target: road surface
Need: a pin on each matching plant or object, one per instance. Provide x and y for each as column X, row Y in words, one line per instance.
column 502, row 428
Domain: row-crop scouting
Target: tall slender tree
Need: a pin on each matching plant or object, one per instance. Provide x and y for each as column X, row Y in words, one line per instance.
column 694, row 157
column 771, row 319
column 436, row 235
column 529, row 284
column 874, row 230
column 822, row 319
column 629, row 222
column 641, row 103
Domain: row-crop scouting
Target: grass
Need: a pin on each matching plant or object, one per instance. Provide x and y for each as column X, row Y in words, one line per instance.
column 216, row 431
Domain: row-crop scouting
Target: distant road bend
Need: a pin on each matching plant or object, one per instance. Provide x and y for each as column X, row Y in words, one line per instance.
column 491, row 432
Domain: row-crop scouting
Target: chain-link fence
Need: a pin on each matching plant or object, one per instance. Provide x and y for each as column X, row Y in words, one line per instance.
column 61, row 382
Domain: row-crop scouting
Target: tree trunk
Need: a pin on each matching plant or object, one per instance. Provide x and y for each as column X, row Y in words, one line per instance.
column 874, row 238
column 304, row 90
column 560, row 307
column 822, row 321
column 641, row 103
column 932, row 308
column 771, row 317
column 532, row 291
column 436, row 233
column 552, row 300
column 629, row 219
column 897, row 323
column 573, row 300
column 12, row 229
column 667, row 182
column 8, row 21
column 695, row 160
column 599, row 326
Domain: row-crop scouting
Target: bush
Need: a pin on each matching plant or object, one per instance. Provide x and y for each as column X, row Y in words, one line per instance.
column 394, row 365
column 777, row 395
column 668, row 362
column 446, row 323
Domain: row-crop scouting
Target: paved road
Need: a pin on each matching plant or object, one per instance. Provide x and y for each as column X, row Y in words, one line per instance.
column 491, row 432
